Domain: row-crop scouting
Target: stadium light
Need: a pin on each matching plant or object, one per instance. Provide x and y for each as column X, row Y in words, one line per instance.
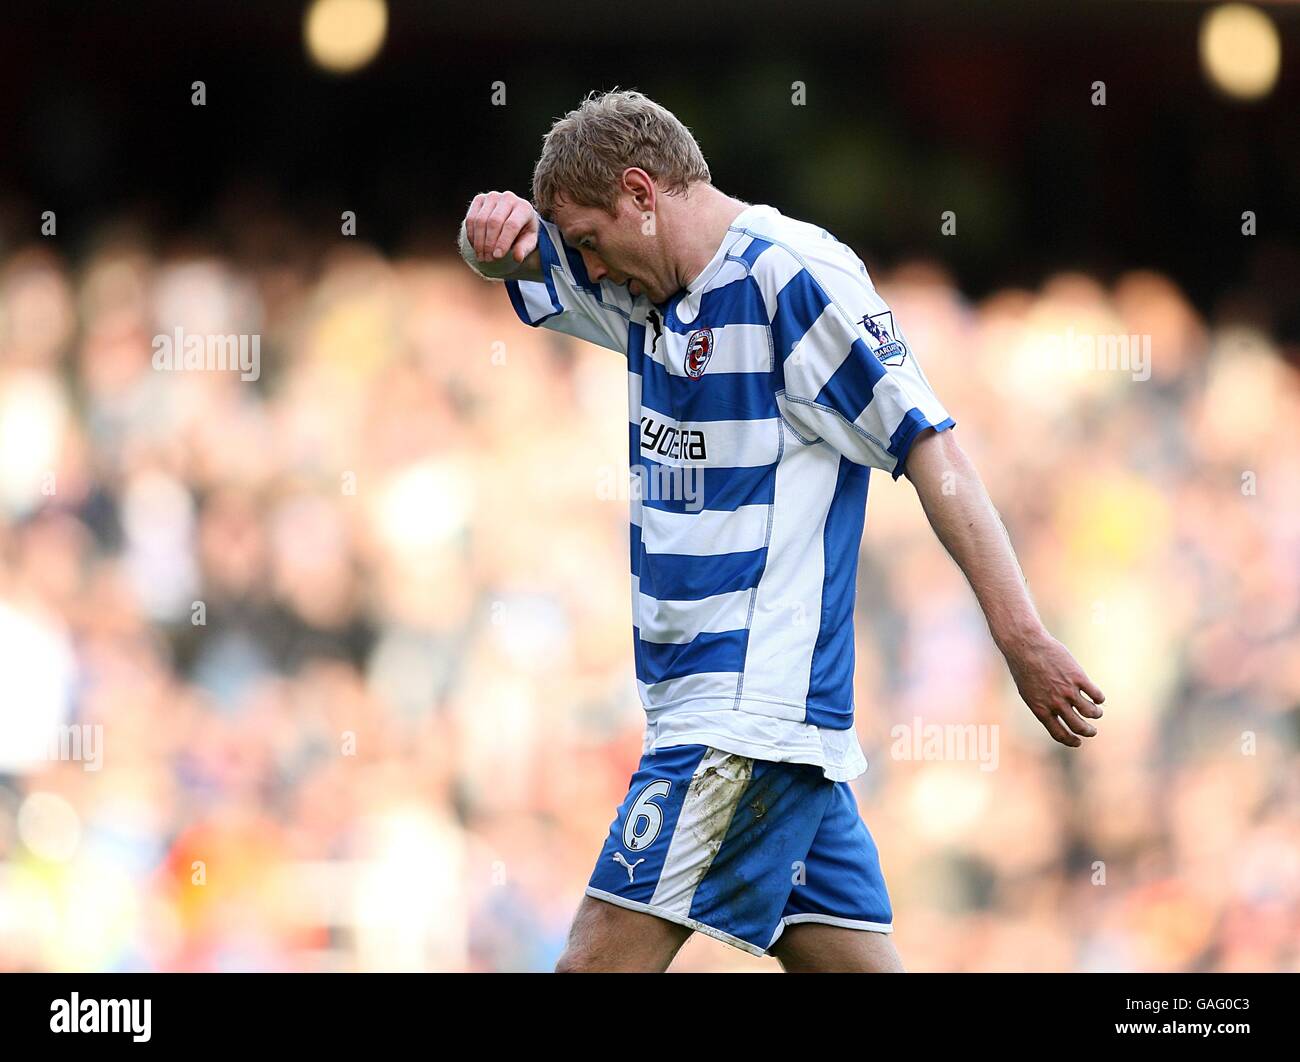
column 1240, row 51
column 342, row 36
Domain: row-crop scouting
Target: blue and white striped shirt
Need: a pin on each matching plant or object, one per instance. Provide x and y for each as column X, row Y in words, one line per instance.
column 759, row 399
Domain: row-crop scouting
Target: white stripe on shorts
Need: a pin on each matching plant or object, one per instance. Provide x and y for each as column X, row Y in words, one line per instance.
column 711, row 801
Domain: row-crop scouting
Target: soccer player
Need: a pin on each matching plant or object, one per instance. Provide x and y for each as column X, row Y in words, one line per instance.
column 766, row 378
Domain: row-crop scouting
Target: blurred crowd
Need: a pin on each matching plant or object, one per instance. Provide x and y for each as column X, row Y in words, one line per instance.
column 347, row 647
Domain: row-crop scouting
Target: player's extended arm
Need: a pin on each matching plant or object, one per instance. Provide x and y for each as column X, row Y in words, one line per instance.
column 1049, row 679
column 498, row 238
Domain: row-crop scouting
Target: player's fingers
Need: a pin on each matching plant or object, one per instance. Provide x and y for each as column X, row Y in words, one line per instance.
column 526, row 245
column 474, row 222
column 488, row 204
column 492, row 226
column 1076, row 722
column 1092, row 690
column 1056, row 728
column 483, row 242
column 1085, row 705
column 510, row 230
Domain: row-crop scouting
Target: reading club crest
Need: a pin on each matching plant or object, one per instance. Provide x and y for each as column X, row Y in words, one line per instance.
column 699, row 349
column 880, row 326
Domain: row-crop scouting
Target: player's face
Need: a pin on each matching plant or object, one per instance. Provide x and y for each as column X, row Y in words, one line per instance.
column 615, row 246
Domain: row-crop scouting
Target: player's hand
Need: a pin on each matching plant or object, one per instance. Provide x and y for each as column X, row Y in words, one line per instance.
column 499, row 223
column 1056, row 688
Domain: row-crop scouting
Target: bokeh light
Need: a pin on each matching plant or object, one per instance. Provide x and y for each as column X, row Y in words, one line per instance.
column 342, row 36
column 1240, row 50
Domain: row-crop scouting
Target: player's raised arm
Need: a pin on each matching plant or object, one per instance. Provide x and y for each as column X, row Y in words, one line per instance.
column 1050, row 680
column 504, row 238
column 498, row 238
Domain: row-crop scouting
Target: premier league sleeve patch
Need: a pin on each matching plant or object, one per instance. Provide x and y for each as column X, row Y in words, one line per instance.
column 880, row 327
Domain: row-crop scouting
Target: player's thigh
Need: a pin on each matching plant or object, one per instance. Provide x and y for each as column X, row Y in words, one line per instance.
column 814, row 947
column 605, row 938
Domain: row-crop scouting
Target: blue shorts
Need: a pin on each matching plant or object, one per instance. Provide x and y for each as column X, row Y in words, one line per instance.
column 739, row 849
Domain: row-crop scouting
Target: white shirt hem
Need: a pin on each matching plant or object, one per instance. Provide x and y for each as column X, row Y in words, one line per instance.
column 762, row 737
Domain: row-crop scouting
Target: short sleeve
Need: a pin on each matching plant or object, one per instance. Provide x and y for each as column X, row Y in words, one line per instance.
column 845, row 372
column 567, row 300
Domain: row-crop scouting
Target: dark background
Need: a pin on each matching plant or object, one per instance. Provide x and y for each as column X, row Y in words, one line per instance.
column 912, row 110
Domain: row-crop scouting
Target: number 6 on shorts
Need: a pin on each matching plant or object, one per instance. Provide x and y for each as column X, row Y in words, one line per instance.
column 634, row 840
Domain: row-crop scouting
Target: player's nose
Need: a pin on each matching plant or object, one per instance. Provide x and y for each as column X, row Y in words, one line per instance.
column 596, row 269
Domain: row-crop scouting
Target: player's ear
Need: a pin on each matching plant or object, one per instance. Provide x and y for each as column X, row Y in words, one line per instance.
column 641, row 186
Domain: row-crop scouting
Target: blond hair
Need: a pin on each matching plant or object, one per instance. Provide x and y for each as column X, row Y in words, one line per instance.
column 585, row 153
